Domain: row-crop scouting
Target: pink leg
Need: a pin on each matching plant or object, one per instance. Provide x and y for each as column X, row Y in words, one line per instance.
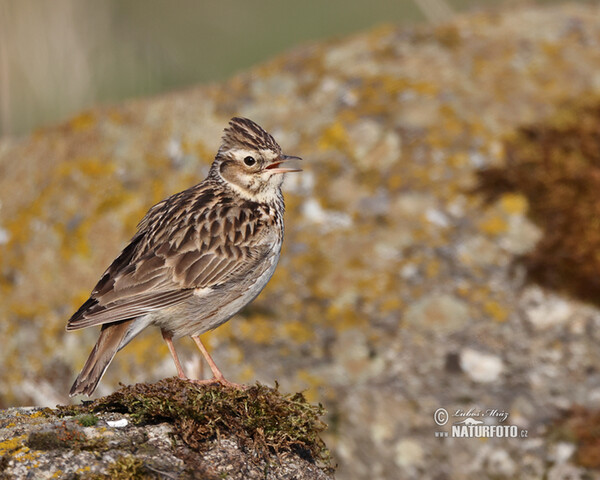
column 168, row 338
column 218, row 376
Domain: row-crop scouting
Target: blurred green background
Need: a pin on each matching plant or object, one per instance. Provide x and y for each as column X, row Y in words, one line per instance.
column 59, row 57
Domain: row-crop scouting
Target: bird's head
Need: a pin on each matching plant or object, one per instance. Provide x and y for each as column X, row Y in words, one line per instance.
column 250, row 161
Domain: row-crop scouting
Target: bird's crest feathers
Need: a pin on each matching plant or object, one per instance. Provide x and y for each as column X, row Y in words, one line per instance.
column 243, row 133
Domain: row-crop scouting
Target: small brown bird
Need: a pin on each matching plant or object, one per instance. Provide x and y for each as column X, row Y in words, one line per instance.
column 197, row 258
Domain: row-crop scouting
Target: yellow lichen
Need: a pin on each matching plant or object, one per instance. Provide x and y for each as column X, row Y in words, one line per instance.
column 257, row 328
column 311, row 383
column 15, row 447
column 432, row 268
column 38, row 414
column 459, row 160
column 394, row 182
column 90, row 167
column 496, row 311
column 514, row 203
column 247, row 374
column 344, row 317
column 335, row 137
column 390, row 304
column 299, row 331
column 83, row 121
column 11, row 444
column 116, row 117
column 493, row 225
column 24, row 454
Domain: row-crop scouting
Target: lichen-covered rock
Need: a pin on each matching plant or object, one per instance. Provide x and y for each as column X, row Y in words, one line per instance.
column 171, row 429
column 440, row 243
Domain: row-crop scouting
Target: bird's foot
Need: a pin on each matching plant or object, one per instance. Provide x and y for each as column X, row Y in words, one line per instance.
column 221, row 380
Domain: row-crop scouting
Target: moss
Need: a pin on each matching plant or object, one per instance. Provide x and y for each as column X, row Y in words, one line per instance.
column 127, row 468
column 555, row 166
column 261, row 418
column 46, row 440
column 86, row 420
column 64, row 436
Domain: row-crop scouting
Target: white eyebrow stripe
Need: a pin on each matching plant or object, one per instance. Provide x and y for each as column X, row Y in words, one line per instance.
column 264, row 153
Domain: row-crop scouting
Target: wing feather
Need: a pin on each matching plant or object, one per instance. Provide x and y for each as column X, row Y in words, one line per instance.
column 198, row 247
column 137, row 306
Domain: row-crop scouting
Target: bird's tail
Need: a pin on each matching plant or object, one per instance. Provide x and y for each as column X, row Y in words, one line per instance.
column 110, row 341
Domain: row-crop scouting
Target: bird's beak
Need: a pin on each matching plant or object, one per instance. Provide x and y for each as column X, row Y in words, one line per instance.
column 276, row 168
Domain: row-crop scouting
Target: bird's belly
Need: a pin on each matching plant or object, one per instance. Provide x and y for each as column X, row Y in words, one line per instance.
column 210, row 307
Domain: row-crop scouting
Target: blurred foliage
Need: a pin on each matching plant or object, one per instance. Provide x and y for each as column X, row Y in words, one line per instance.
column 59, row 57
column 556, row 165
column 580, row 426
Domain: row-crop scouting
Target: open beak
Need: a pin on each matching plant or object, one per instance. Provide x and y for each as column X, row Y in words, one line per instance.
column 276, row 167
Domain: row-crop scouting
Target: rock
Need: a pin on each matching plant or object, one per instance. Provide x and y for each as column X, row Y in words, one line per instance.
column 563, row 451
column 499, row 464
column 441, row 246
column 327, row 220
column 441, row 313
column 160, row 430
column 546, row 310
column 562, row 471
column 409, row 454
column 481, row 367
column 373, row 146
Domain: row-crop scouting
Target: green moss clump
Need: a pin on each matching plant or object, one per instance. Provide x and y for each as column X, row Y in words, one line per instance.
column 261, row 418
column 86, row 420
column 556, row 166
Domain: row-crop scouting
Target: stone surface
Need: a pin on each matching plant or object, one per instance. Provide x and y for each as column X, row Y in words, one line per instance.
column 121, row 439
column 481, row 367
column 149, row 449
column 394, row 263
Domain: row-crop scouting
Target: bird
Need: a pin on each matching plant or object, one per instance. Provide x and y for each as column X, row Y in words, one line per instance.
column 197, row 257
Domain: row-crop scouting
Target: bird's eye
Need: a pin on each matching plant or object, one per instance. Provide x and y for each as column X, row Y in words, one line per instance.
column 249, row 161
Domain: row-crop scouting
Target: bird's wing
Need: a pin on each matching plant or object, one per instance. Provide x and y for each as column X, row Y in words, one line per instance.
column 161, row 267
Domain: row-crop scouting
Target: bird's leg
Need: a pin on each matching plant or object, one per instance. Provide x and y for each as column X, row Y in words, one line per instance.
column 168, row 338
column 218, row 376
column 211, row 363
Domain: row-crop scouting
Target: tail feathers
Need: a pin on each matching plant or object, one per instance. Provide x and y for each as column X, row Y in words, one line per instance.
column 111, row 338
